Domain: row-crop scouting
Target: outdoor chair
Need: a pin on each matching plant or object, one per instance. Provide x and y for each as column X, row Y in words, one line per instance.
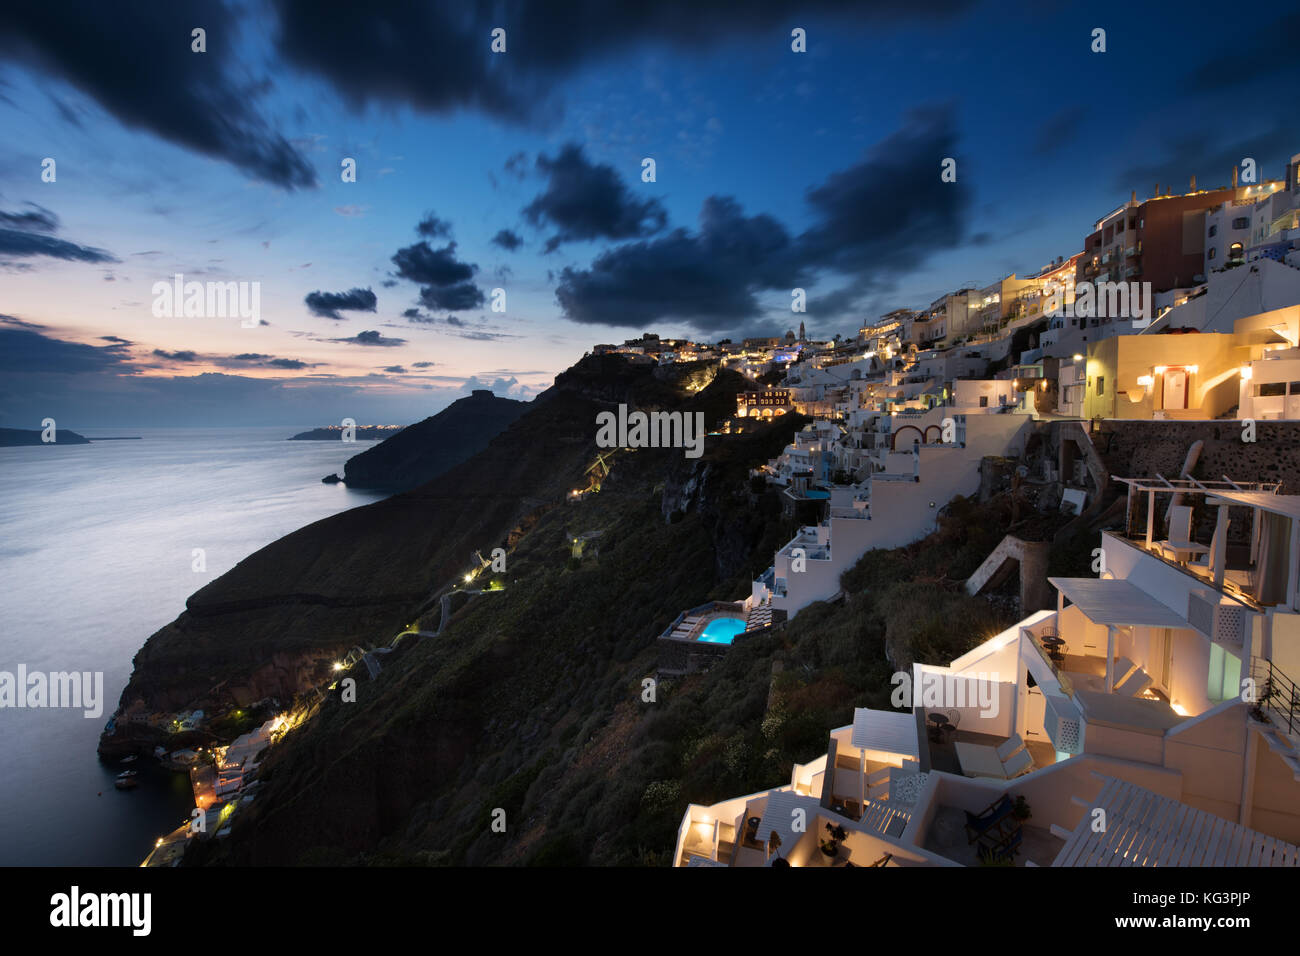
column 1134, row 684
column 1011, row 746
column 1020, row 763
column 1005, row 849
column 987, row 819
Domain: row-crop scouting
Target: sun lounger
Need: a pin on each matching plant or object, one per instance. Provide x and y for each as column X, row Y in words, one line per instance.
column 978, row 760
column 1020, row 763
column 1013, row 744
column 1136, row 683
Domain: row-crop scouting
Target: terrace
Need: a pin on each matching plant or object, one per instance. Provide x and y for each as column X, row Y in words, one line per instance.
column 717, row 622
column 1255, row 531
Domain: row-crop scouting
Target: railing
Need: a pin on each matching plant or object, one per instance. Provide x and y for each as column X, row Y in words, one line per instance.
column 1278, row 695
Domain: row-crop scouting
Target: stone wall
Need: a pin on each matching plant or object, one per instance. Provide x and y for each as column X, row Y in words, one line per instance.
column 1133, row 449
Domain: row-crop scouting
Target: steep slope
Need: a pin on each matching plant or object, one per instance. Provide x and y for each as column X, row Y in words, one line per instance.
column 423, row 451
column 273, row 624
column 517, row 695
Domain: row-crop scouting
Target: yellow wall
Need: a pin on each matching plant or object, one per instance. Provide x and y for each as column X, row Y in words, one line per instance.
column 1121, row 360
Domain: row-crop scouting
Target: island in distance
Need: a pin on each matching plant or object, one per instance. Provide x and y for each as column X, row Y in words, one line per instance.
column 359, row 432
column 10, row 437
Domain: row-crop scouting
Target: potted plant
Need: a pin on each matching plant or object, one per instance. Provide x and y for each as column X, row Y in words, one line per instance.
column 830, row 848
column 1020, row 809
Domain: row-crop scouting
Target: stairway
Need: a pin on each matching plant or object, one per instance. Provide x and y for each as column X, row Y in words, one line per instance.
column 1280, row 702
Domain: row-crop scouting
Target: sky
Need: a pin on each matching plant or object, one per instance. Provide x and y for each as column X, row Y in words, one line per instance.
column 522, row 171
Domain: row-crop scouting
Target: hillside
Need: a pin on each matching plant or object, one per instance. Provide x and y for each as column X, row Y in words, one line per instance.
column 423, row 451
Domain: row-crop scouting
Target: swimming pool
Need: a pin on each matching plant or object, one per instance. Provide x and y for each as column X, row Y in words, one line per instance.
column 721, row 630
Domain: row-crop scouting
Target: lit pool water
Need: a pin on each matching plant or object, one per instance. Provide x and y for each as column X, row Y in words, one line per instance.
column 721, row 630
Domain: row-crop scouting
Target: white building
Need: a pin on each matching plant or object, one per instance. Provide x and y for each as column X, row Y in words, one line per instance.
column 1157, row 692
column 892, row 507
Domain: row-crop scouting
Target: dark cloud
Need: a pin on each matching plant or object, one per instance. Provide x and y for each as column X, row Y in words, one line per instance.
column 26, row 244
column 1255, row 56
column 873, row 221
column 22, row 350
column 715, row 273
column 423, row 365
column 198, row 101
column 424, row 265
column 395, row 369
column 14, row 320
column 329, row 304
column 455, row 298
column 431, row 227
column 888, row 212
column 183, row 356
column 38, row 219
column 436, row 57
column 371, row 337
column 585, row 200
column 444, row 279
column 507, row 239
column 1210, row 156
column 257, row 359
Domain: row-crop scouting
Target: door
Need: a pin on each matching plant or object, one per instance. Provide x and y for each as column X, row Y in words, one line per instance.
column 1175, row 388
column 1163, row 653
column 1035, row 713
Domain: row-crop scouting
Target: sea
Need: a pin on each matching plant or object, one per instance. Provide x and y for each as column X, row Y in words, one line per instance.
column 99, row 546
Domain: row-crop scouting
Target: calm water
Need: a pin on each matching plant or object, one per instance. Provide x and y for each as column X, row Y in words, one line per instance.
column 95, row 555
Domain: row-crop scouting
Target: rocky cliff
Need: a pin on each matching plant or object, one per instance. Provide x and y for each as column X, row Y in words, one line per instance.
column 423, row 451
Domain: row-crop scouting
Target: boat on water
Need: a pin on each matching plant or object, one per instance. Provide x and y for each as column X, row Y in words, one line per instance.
column 126, row 780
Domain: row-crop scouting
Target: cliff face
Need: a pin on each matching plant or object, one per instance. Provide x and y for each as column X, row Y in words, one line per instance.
column 275, row 622
column 425, row 450
column 531, row 692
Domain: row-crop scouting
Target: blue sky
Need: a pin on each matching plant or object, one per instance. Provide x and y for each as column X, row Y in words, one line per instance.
column 774, row 169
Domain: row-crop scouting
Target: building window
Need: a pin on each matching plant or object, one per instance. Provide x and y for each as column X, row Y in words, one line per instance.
column 1235, row 251
column 1270, row 389
column 1101, row 385
column 1295, row 388
column 1241, row 222
column 1212, row 253
column 1214, row 230
column 1224, row 674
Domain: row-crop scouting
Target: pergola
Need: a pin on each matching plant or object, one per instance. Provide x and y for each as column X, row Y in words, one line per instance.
column 1261, row 497
column 1114, row 603
column 1145, row 829
column 882, row 735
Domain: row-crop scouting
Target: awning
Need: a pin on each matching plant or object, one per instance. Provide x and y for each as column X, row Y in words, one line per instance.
column 1286, row 505
column 885, row 731
column 1112, row 601
column 780, row 815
